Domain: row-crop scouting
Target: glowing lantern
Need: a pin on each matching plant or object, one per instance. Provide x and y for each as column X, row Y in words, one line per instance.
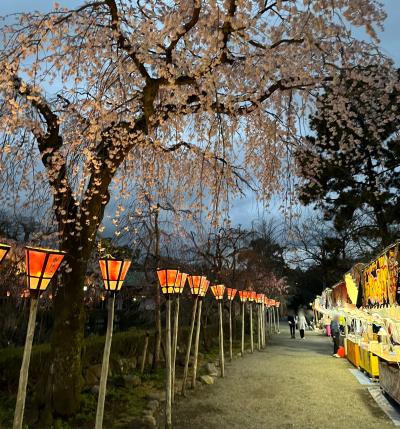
column 4, row 248
column 169, row 281
column 277, row 304
column 251, row 295
column 41, row 265
column 195, row 283
column 243, row 295
column 230, row 293
column 113, row 272
column 204, row 287
column 180, row 282
column 218, row 291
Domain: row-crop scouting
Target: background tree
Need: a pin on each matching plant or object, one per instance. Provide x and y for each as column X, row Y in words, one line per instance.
column 91, row 97
column 350, row 167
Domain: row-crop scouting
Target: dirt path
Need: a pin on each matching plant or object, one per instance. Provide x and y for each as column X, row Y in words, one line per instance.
column 292, row 384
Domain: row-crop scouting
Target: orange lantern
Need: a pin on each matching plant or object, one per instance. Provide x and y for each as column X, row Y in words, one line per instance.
column 181, row 281
column 204, row 287
column 195, row 283
column 218, row 291
column 169, row 281
column 243, row 295
column 41, row 265
column 4, row 248
column 113, row 272
column 251, row 294
column 277, row 304
column 259, row 298
column 230, row 293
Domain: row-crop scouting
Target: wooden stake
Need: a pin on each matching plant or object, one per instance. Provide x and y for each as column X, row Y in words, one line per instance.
column 168, row 362
column 251, row 328
column 144, row 356
column 105, row 364
column 242, row 347
column 189, row 346
column 175, row 345
column 258, row 327
column 262, row 327
column 196, row 343
column 23, row 375
column 221, row 341
column 346, row 332
column 278, row 317
column 230, row 331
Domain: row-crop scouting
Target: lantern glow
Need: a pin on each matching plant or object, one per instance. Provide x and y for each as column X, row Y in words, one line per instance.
column 243, row 295
column 181, row 281
column 169, row 281
column 113, row 272
column 251, row 295
column 195, row 283
column 41, row 265
column 204, row 287
column 218, row 291
column 230, row 293
column 4, row 248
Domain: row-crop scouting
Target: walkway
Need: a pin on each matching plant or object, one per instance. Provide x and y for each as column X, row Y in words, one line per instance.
column 292, row 384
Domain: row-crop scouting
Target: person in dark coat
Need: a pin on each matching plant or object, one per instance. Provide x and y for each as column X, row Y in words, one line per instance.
column 292, row 324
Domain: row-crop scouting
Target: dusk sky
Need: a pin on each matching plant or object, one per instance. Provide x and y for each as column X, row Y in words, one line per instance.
column 246, row 209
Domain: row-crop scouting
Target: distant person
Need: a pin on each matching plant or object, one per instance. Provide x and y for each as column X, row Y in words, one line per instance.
column 292, row 324
column 335, row 333
column 302, row 322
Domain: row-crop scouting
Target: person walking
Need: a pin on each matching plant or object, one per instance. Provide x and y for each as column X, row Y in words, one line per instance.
column 292, row 324
column 302, row 322
column 335, row 333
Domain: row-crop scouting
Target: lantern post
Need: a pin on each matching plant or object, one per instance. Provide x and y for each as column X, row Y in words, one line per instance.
column 195, row 285
column 251, row 297
column 262, row 312
column 41, row 265
column 230, row 293
column 170, row 284
column 243, row 299
column 277, row 304
column 113, row 272
column 181, row 280
column 218, row 291
column 258, row 297
column 202, row 293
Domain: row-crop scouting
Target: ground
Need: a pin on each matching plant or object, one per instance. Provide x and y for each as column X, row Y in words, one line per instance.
column 291, row 384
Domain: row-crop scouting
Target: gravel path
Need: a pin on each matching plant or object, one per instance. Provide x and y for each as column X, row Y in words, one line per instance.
column 292, row 384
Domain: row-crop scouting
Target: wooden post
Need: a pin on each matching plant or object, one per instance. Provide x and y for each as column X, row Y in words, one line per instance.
column 278, row 317
column 189, row 346
column 262, row 326
column 144, row 356
column 105, row 364
column 168, row 362
column 23, row 375
column 175, row 345
column 221, row 341
column 259, row 327
column 346, row 332
column 270, row 321
column 196, row 343
column 242, row 346
column 251, row 328
column 230, row 330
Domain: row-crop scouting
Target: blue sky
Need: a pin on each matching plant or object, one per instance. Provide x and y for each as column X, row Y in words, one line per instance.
column 245, row 209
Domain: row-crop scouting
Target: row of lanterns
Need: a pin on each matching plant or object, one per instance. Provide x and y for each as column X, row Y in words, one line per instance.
column 42, row 264
column 172, row 283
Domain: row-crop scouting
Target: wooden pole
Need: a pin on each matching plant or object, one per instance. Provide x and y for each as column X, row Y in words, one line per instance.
column 105, row 364
column 230, row 331
column 144, row 356
column 262, row 326
column 175, row 345
column 278, row 317
column 221, row 341
column 258, row 327
column 23, row 375
column 270, row 320
column 242, row 346
column 189, row 346
column 168, row 362
column 251, row 328
column 196, row 343
column 346, row 332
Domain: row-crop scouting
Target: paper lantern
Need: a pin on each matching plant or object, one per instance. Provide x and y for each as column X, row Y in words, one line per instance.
column 260, row 298
column 4, row 248
column 230, row 293
column 243, row 295
column 169, row 281
column 218, row 291
column 195, row 283
column 180, row 282
column 113, row 272
column 251, row 294
column 204, row 287
column 41, row 265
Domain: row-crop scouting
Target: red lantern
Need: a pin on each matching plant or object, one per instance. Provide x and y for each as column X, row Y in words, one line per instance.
column 218, row 291
column 113, row 272
column 169, row 281
column 41, row 265
column 181, row 281
column 204, row 287
column 251, row 294
column 195, row 283
column 230, row 293
column 243, row 295
column 4, row 248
